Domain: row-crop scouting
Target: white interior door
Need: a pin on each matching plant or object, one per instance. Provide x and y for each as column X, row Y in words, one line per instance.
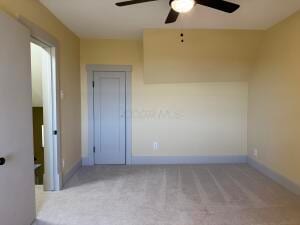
column 109, row 117
column 17, row 205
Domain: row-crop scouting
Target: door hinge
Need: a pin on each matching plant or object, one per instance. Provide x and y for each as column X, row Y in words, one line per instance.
column 93, row 84
column 94, row 149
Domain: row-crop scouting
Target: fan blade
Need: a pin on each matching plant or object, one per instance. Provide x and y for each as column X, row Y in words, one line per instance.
column 172, row 17
column 224, row 6
column 133, row 2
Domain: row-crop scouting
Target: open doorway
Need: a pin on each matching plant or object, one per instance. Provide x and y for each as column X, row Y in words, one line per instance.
column 45, row 114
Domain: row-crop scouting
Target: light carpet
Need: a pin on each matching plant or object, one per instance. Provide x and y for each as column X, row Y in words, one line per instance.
column 169, row 195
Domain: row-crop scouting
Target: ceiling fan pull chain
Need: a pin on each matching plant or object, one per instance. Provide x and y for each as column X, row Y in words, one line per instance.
column 181, row 34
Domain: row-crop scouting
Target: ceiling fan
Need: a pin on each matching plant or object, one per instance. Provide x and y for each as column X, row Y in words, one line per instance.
column 183, row 6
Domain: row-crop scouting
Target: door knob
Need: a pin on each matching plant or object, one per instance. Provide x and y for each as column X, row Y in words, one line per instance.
column 2, row 161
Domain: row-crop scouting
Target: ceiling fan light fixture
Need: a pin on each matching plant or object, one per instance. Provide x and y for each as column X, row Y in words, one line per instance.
column 182, row 6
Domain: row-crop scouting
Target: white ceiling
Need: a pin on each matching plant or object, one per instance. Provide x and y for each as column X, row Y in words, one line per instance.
column 102, row 19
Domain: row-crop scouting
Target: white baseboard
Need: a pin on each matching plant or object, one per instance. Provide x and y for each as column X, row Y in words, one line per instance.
column 168, row 160
column 71, row 172
column 86, row 161
column 59, row 182
column 160, row 160
column 282, row 180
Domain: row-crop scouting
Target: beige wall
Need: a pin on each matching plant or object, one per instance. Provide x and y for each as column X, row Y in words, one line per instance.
column 69, row 72
column 205, row 55
column 274, row 108
column 186, row 118
column 203, row 118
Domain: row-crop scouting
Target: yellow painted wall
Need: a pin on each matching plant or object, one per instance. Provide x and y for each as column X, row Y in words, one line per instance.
column 203, row 118
column 274, row 96
column 69, row 72
column 187, row 118
column 205, row 55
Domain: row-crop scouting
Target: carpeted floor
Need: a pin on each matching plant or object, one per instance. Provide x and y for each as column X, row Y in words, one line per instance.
column 169, row 195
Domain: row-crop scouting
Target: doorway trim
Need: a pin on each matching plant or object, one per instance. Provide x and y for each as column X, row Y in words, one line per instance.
column 44, row 39
column 91, row 69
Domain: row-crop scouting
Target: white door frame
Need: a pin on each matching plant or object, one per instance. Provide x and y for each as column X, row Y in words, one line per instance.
column 91, row 69
column 45, row 40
